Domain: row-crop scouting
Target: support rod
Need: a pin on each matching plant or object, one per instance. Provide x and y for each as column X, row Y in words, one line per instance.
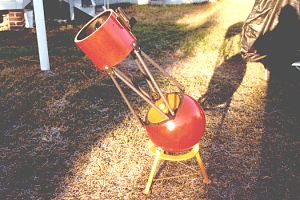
column 153, row 170
column 202, row 169
column 140, row 94
column 181, row 88
column 144, row 73
column 125, row 98
column 154, row 82
column 129, row 80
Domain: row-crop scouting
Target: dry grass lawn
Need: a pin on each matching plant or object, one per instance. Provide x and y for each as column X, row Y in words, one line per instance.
column 66, row 134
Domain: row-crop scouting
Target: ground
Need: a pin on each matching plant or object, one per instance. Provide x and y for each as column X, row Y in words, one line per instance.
column 66, row 133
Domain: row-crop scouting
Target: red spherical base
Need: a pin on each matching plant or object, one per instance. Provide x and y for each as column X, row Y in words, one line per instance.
column 181, row 132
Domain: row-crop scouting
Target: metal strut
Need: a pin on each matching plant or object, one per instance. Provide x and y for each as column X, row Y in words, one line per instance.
column 180, row 87
column 153, row 81
column 144, row 73
column 130, row 81
column 110, row 73
column 123, row 78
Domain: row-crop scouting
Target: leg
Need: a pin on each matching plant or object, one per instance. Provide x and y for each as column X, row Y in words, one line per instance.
column 202, row 169
column 152, row 173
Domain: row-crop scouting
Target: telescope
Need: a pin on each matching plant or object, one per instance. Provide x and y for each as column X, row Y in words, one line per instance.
column 175, row 122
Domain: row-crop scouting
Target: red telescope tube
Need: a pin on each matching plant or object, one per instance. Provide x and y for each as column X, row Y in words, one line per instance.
column 105, row 40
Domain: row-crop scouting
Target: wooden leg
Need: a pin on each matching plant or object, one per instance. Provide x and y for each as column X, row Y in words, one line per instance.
column 153, row 170
column 202, row 169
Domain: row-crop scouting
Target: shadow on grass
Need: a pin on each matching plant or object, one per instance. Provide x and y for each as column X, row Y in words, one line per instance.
column 157, row 39
column 49, row 119
column 227, row 76
column 46, row 124
column 225, row 81
column 279, row 167
column 24, row 43
column 222, row 154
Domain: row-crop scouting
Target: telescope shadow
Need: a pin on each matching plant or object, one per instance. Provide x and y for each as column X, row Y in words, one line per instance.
column 223, row 139
column 216, row 103
column 225, row 81
column 227, row 76
column 257, row 156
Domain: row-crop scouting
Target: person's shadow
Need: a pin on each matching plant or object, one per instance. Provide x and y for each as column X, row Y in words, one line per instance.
column 279, row 167
column 281, row 45
column 227, row 76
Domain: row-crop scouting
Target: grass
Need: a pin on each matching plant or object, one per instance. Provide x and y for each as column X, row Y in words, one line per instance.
column 67, row 134
column 167, row 30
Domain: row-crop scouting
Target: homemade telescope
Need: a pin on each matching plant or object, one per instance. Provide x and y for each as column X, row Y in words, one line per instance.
column 175, row 122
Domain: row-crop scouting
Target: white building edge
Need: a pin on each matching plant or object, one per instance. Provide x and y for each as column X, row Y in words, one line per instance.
column 39, row 22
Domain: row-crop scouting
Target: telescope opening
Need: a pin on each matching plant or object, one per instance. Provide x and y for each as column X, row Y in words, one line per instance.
column 153, row 116
column 93, row 25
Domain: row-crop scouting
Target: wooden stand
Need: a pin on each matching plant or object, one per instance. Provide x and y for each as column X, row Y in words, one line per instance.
column 161, row 155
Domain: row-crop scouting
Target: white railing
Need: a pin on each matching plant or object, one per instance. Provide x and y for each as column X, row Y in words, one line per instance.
column 13, row 4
